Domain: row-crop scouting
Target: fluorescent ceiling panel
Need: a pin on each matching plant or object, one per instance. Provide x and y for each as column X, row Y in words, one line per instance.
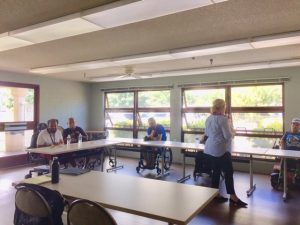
column 56, row 29
column 7, row 42
column 220, row 48
column 143, row 58
column 218, row 1
column 276, row 40
column 73, row 67
column 230, row 68
column 139, row 11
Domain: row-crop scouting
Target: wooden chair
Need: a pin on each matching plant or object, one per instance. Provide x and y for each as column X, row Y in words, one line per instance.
column 31, row 206
column 88, row 212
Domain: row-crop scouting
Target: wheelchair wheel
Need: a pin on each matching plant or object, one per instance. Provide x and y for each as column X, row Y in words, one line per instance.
column 275, row 181
column 168, row 158
column 138, row 169
column 158, row 171
column 80, row 162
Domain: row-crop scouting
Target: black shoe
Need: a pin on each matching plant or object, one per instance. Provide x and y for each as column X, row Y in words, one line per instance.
column 221, row 199
column 238, row 203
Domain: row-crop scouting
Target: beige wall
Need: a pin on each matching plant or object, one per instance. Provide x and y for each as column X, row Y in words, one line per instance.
column 58, row 98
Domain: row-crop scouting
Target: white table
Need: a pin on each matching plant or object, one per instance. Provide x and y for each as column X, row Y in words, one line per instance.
column 284, row 154
column 160, row 200
column 71, row 148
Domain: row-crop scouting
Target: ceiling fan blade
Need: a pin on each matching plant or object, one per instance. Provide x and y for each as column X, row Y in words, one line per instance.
column 121, row 77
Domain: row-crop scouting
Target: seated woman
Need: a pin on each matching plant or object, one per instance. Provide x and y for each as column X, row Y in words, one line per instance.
column 218, row 146
column 291, row 141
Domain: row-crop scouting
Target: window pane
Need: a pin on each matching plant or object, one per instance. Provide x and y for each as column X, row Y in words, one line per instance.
column 162, row 118
column 202, row 98
column 254, row 142
column 194, row 121
column 15, row 141
column 16, row 104
column 154, row 99
column 268, row 95
column 119, row 134
column 263, row 122
column 119, row 100
column 191, row 138
column 120, row 120
column 142, row 134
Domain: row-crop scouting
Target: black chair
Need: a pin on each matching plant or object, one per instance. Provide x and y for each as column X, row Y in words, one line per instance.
column 37, row 205
column 88, row 212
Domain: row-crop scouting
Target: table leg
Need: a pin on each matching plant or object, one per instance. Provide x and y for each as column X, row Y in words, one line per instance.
column 252, row 186
column 102, row 159
column 115, row 167
column 184, row 177
column 284, row 180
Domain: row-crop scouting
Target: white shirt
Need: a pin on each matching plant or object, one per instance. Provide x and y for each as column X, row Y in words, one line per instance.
column 46, row 138
column 219, row 134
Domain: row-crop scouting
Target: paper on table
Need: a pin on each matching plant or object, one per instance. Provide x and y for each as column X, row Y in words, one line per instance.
column 37, row 180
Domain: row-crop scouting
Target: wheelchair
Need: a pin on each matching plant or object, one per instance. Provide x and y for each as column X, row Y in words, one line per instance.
column 155, row 155
column 36, row 158
column 293, row 175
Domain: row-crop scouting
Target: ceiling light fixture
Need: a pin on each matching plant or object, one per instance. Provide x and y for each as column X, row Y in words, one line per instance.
column 7, row 42
column 225, row 47
column 55, row 29
column 108, row 17
column 73, row 67
column 276, row 40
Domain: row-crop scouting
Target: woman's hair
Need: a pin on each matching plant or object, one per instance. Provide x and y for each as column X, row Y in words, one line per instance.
column 218, row 106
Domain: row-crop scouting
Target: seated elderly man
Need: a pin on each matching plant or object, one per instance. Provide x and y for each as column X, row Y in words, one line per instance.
column 74, row 132
column 291, row 141
column 156, row 132
column 50, row 136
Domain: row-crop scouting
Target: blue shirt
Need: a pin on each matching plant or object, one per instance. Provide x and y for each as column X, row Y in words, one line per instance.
column 291, row 141
column 159, row 129
column 219, row 135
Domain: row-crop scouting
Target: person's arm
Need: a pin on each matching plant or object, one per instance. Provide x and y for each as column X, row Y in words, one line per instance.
column 84, row 135
column 230, row 122
column 160, row 130
column 60, row 139
column 226, row 130
column 40, row 143
column 282, row 141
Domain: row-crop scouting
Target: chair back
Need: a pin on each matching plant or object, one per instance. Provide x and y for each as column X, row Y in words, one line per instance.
column 31, row 208
column 88, row 212
column 38, row 205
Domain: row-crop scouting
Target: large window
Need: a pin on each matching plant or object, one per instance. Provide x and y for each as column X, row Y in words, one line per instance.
column 257, row 112
column 127, row 113
column 18, row 104
column 196, row 108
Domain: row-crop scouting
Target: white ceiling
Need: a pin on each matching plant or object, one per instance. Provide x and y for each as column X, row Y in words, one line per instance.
column 226, row 21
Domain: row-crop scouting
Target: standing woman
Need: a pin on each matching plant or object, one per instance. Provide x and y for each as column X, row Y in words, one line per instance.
column 218, row 146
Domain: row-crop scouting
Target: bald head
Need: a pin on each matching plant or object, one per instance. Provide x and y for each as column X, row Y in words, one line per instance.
column 71, row 123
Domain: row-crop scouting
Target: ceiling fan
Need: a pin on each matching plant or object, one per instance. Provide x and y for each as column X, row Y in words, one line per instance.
column 130, row 74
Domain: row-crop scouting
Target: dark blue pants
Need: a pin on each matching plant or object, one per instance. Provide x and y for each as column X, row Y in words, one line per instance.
column 223, row 164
